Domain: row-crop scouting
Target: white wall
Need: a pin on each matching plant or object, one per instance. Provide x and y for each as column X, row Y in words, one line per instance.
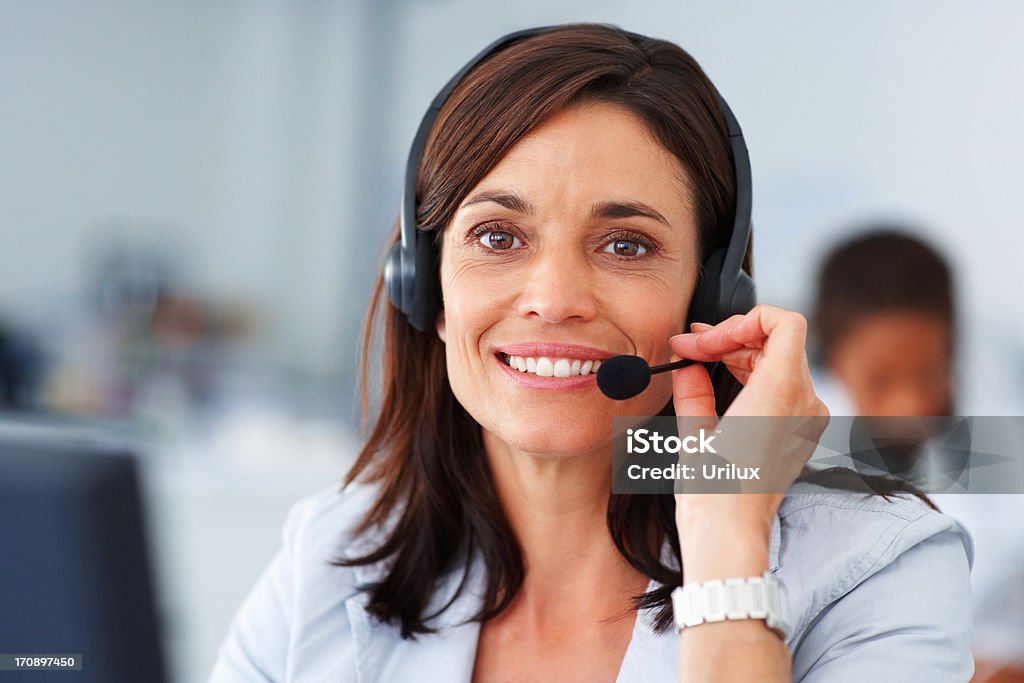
column 222, row 131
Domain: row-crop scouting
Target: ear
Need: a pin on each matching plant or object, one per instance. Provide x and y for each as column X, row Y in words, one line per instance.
column 441, row 331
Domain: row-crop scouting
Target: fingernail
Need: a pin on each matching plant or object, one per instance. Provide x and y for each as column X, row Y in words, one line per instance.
column 700, row 326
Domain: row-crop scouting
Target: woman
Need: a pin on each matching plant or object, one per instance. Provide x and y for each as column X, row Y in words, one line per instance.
column 574, row 185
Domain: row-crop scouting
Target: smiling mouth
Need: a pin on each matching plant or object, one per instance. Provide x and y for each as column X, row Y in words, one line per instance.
column 546, row 366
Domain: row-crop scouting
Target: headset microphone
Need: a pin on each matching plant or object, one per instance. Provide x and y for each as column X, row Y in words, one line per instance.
column 622, row 377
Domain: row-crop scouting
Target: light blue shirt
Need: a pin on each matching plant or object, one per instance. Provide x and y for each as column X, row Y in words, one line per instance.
column 879, row 590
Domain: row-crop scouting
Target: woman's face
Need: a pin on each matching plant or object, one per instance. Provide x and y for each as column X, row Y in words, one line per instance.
column 580, row 244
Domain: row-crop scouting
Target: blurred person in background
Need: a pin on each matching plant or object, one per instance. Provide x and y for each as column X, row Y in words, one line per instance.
column 884, row 331
column 572, row 192
column 884, row 325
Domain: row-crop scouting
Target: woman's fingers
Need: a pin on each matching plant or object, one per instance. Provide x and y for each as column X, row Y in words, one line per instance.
column 765, row 345
column 784, row 330
column 707, row 343
column 692, row 392
column 740, row 362
column 764, row 350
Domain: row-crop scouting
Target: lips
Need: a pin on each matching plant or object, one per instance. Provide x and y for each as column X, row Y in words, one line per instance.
column 552, row 364
column 554, row 350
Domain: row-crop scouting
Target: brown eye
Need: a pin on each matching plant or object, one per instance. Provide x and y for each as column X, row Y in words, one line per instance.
column 625, row 248
column 499, row 240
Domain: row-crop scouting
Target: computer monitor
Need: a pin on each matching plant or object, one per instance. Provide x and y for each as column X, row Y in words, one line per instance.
column 75, row 575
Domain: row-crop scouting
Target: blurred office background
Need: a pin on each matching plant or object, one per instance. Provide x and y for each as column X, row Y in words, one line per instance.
column 193, row 197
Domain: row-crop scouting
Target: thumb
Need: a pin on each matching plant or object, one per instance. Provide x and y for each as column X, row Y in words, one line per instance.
column 692, row 392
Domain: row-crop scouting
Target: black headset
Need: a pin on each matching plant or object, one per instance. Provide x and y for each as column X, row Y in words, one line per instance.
column 723, row 289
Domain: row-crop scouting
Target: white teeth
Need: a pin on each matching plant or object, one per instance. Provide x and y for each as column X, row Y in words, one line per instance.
column 553, row 367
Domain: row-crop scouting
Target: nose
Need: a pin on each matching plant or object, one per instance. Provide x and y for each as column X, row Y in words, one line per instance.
column 559, row 286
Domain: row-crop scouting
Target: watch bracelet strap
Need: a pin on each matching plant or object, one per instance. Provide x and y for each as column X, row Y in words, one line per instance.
column 756, row 597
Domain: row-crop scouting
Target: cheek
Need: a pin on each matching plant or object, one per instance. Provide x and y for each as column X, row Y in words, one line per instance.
column 470, row 285
column 650, row 313
column 649, row 316
column 470, row 308
column 473, row 303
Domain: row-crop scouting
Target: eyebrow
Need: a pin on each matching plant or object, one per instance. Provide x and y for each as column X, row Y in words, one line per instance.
column 627, row 209
column 612, row 209
column 510, row 200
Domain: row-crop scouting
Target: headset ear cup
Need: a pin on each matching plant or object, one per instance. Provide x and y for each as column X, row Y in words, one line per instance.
column 393, row 275
column 744, row 295
column 715, row 300
column 425, row 292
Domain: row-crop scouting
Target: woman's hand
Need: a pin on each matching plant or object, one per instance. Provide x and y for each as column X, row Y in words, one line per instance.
column 764, row 350
column 724, row 535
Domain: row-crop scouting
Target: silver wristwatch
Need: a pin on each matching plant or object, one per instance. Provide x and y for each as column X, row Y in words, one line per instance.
column 756, row 597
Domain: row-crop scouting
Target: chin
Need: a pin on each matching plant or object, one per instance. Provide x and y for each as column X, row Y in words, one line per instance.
column 560, row 440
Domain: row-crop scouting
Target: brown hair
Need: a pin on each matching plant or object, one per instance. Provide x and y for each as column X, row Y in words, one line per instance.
column 436, row 501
